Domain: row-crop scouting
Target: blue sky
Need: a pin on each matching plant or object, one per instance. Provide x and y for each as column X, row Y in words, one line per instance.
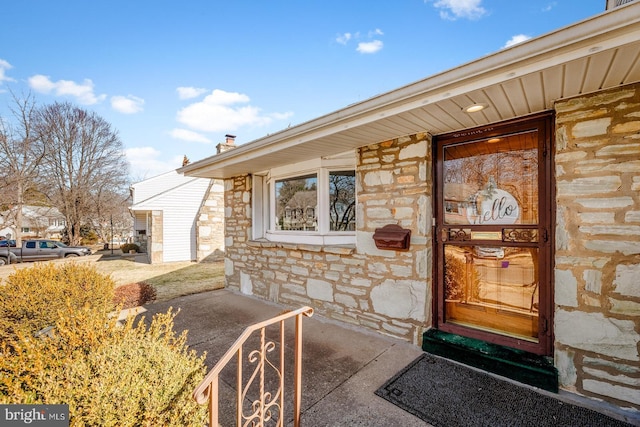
column 173, row 77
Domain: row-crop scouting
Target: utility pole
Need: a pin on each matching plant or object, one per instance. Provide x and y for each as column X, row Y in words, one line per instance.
column 111, row 234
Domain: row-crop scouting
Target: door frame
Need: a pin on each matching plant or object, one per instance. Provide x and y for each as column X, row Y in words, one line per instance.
column 544, row 123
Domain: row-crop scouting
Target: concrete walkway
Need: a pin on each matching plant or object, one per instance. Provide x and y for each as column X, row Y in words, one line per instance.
column 342, row 367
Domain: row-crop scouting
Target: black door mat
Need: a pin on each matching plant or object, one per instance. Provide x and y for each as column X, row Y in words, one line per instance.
column 447, row 394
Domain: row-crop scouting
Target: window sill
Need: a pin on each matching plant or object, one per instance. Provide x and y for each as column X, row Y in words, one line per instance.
column 331, row 249
column 311, row 238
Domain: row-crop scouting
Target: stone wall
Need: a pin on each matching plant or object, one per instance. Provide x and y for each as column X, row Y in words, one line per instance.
column 210, row 224
column 383, row 290
column 156, row 238
column 597, row 271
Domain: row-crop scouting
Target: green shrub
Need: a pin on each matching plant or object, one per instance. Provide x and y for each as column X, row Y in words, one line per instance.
column 33, row 298
column 456, row 279
column 128, row 247
column 88, row 237
column 133, row 375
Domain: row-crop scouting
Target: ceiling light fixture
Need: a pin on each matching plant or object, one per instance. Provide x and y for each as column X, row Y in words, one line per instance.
column 493, row 140
column 475, row 107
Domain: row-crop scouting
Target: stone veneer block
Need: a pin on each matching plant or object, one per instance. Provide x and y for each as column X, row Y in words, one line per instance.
column 596, row 333
column 602, row 388
column 319, row 289
column 400, row 299
column 566, row 288
column 593, row 281
column 605, row 203
column 591, row 128
column 566, row 369
column 627, row 280
column 589, row 186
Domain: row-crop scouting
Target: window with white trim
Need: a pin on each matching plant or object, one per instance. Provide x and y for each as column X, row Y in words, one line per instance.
column 296, row 203
column 312, row 202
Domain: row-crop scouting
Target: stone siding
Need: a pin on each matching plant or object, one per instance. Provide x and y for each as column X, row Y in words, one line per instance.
column 156, row 238
column 597, row 247
column 597, row 260
column 210, row 224
column 384, row 290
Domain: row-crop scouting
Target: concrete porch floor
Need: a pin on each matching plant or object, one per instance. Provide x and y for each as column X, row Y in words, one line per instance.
column 342, row 365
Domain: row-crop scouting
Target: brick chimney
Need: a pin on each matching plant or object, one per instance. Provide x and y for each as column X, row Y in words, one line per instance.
column 228, row 144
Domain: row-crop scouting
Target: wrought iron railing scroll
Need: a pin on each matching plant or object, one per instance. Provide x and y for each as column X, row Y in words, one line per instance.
column 268, row 404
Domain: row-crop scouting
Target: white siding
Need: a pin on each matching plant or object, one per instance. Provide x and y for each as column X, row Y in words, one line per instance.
column 179, row 198
column 157, row 185
column 180, row 212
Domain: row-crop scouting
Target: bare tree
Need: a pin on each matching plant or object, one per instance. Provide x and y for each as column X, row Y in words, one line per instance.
column 342, row 200
column 84, row 161
column 112, row 217
column 21, row 153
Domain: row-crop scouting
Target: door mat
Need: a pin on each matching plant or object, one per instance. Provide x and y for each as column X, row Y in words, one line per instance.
column 447, row 394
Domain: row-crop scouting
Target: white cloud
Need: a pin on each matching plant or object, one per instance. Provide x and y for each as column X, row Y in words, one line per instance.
column 219, row 111
column 82, row 92
column 343, row 38
column 4, row 66
column 127, row 104
column 454, row 9
column 145, row 162
column 369, row 47
column 372, row 46
column 189, row 135
column 550, row 6
column 185, row 92
column 516, row 39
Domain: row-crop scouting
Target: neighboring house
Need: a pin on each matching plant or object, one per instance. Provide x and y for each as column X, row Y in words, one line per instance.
column 517, row 176
column 37, row 221
column 178, row 218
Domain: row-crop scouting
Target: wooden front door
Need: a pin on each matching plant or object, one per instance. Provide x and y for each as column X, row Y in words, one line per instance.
column 494, row 218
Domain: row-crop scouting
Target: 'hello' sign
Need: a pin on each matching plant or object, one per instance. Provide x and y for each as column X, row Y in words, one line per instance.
column 500, row 208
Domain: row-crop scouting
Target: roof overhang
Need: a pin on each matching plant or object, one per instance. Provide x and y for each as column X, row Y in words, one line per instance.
column 599, row 53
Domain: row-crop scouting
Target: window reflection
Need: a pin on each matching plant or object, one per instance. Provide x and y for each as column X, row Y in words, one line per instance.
column 493, row 288
column 342, row 200
column 492, row 183
column 297, row 203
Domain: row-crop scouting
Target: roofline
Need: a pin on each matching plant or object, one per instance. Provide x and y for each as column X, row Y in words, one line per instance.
column 141, row 203
column 605, row 30
column 152, row 178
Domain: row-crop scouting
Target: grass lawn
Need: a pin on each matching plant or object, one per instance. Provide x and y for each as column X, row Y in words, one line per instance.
column 170, row 280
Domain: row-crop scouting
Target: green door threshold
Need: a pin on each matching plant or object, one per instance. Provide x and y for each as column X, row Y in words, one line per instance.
column 518, row 365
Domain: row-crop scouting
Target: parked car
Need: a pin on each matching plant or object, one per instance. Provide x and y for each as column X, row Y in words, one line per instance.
column 45, row 249
column 7, row 243
column 7, row 257
column 489, row 252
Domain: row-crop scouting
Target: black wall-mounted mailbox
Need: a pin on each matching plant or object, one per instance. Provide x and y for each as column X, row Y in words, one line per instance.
column 392, row 237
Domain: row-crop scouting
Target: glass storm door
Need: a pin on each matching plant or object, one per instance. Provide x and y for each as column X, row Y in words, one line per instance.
column 493, row 218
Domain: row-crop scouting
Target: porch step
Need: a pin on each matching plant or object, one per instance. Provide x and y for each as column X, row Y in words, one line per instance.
column 518, row 365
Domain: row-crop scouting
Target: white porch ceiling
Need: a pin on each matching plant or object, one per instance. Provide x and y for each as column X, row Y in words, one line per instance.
column 599, row 53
